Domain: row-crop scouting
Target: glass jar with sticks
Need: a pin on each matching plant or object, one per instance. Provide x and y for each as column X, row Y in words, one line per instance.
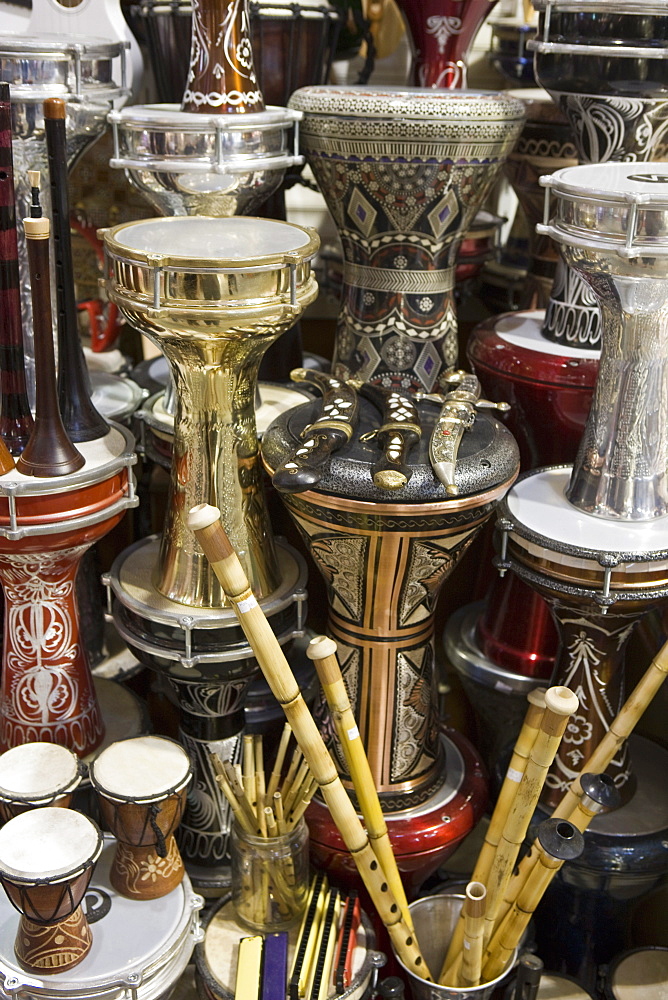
column 269, row 844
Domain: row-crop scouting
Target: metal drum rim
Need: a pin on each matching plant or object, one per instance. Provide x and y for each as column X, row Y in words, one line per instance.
column 431, row 102
column 164, row 114
column 267, row 262
column 54, row 45
column 630, row 7
column 586, row 50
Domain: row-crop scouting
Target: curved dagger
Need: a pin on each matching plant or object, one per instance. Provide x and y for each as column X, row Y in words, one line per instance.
column 398, row 433
column 332, row 429
column 458, row 409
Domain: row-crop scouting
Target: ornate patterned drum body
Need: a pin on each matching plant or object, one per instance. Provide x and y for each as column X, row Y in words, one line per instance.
column 443, row 31
column 139, row 950
column 46, row 862
column 80, row 71
column 45, row 528
column 368, row 147
column 599, row 578
column 605, row 64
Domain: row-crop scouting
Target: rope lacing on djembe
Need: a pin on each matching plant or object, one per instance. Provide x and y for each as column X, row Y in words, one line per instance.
column 161, row 846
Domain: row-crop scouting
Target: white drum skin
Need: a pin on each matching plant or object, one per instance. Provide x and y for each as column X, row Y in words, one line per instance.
column 639, row 975
column 142, row 769
column 47, row 843
column 37, row 774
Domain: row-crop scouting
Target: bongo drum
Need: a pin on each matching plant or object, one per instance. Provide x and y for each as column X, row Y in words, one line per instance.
column 37, row 774
column 641, row 974
column 216, row 957
column 397, row 320
column 46, row 863
column 46, row 525
column 141, row 785
column 138, row 950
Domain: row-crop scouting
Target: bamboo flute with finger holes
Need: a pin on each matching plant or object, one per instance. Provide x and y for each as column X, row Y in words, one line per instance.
column 204, row 520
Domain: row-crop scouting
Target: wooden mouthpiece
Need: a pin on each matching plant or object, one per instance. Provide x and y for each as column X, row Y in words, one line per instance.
column 54, row 108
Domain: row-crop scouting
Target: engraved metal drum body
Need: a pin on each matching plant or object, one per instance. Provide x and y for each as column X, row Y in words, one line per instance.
column 46, row 525
column 35, row 775
column 89, row 75
column 293, row 44
column 384, row 558
column 443, row 31
column 197, row 164
column 605, row 65
column 46, row 863
column 216, row 957
column 213, row 294
column 367, row 147
column 138, row 950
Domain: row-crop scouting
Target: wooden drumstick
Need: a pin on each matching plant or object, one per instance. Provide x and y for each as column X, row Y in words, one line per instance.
column 516, row 768
column 474, row 932
column 620, row 729
column 559, row 841
column 560, row 704
column 205, row 522
column 322, row 651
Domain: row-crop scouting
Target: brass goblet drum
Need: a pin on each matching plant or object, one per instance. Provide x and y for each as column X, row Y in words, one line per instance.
column 213, row 294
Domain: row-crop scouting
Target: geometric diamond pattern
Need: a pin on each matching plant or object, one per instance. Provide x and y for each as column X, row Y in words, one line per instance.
column 370, row 359
column 362, row 213
column 428, row 366
column 442, row 214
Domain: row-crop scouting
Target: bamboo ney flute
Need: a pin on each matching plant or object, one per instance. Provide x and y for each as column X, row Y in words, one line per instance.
column 560, row 704
column 474, row 932
column 80, row 418
column 205, row 522
column 322, row 650
column 516, row 768
column 559, row 841
column 49, row 451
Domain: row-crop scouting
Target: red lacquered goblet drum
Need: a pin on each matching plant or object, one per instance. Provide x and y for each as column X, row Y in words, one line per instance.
column 443, row 31
column 141, row 785
column 46, row 862
column 35, row 775
column 45, row 528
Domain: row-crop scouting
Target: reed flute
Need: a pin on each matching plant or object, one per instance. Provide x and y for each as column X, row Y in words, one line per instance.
column 204, row 520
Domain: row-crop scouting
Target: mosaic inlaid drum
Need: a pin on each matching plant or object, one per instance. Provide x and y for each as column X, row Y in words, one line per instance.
column 384, row 554
column 443, row 31
column 213, row 294
column 403, row 173
column 46, row 525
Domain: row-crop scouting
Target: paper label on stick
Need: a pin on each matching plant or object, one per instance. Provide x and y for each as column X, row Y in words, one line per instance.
column 354, row 733
column 467, row 944
column 513, row 775
column 247, row 605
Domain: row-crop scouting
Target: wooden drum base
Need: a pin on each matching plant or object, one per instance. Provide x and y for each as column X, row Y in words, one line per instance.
column 140, row 872
column 54, row 947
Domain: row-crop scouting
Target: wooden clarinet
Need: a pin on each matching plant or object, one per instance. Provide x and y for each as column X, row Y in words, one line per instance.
column 49, row 451
column 15, row 417
column 80, row 418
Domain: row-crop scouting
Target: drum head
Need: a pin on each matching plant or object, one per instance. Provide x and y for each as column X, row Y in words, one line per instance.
column 555, row 987
column 142, row 769
column 640, row 975
column 47, row 843
column 114, row 397
column 37, row 771
column 407, row 102
column 235, row 241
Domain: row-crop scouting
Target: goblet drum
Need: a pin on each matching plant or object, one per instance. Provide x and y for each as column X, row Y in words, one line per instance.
column 139, row 950
column 79, row 70
column 367, row 147
column 293, row 43
column 604, row 64
column 213, row 294
column 384, row 558
column 46, row 863
column 141, row 785
column 443, row 31
column 46, row 525
column 37, row 774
